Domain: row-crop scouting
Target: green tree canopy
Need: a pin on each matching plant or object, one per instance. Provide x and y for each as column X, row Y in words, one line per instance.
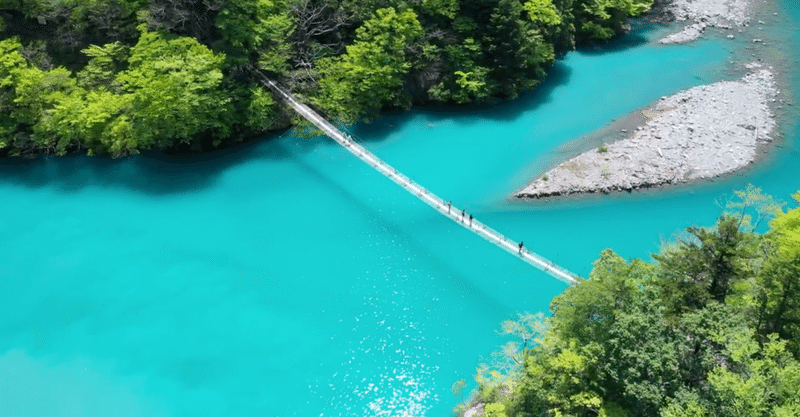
column 350, row 58
column 543, row 12
column 370, row 74
column 602, row 19
column 171, row 90
column 787, row 229
column 711, row 328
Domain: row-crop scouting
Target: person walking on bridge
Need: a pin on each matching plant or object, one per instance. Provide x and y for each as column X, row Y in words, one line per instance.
column 462, row 214
column 449, row 203
column 470, row 220
column 521, row 244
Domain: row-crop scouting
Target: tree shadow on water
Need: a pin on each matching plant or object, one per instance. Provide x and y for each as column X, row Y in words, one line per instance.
column 498, row 110
column 509, row 110
column 641, row 27
column 619, row 44
column 387, row 123
column 151, row 173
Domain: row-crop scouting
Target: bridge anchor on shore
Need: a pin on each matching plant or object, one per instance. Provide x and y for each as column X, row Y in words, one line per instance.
column 443, row 207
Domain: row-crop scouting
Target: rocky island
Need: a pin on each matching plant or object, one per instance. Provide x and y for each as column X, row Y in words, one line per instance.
column 699, row 133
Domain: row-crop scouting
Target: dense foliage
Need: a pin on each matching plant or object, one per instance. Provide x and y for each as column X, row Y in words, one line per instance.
column 711, row 328
column 119, row 76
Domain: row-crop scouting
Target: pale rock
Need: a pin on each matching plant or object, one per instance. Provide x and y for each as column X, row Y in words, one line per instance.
column 695, row 121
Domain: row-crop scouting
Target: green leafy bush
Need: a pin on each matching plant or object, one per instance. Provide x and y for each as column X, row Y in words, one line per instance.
column 707, row 329
column 156, row 74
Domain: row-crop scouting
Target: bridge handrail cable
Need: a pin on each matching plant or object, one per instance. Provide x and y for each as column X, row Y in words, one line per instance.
column 423, row 194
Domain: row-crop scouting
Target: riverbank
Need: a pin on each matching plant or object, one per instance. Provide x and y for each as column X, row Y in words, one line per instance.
column 700, row 133
column 703, row 14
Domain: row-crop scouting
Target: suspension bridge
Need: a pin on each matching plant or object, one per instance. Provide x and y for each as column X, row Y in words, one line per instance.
column 443, row 207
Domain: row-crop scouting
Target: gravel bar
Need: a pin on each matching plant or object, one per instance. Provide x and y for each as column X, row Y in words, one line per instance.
column 704, row 14
column 703, row 132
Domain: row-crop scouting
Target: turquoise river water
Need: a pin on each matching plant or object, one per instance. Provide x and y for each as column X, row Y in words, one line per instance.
column 286, row 278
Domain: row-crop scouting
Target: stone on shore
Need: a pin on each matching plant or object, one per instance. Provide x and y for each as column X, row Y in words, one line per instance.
column 702, row 132
column 688, row 34
column 714, row 11
column 706, row 13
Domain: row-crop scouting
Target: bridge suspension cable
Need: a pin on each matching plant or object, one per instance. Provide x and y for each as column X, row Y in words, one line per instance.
column 443, row 207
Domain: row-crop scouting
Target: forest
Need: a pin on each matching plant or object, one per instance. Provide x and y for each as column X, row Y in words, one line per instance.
column 711, row 327
column 118, row 77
